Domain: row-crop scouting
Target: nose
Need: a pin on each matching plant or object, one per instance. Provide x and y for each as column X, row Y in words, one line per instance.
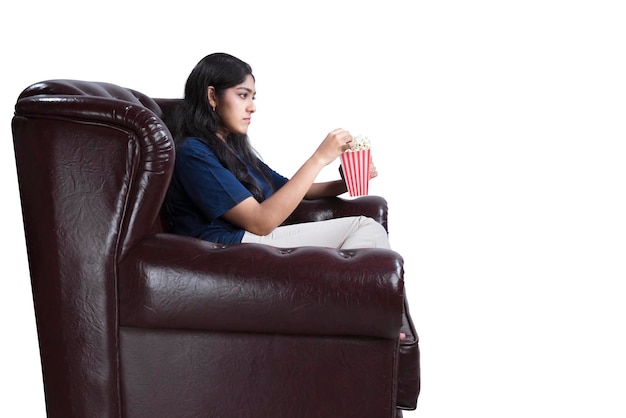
column 251, row 106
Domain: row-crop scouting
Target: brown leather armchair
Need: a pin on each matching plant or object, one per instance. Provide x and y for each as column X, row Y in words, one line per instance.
column 134, row 321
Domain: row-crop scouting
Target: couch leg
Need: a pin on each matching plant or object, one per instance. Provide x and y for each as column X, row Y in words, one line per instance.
column 398, row 413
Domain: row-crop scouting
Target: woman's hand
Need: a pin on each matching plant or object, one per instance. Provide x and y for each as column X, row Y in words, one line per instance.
column 335, row 143
column 373, row 172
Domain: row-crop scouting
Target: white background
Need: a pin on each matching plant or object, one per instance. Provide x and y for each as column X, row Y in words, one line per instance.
column 498, row 129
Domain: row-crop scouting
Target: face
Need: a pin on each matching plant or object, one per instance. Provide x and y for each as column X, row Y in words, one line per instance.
column 235, row 107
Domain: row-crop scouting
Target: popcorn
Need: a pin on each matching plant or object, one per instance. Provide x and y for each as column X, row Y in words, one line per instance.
column 360, row 143
column 356, row 166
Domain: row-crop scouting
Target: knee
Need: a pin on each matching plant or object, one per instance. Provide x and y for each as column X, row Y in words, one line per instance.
column 368, row 222
column 376, row 231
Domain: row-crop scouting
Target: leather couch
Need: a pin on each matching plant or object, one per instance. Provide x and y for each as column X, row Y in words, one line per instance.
column 134, row 321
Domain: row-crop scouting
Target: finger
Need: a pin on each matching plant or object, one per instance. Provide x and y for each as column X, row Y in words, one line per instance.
column 373, row 171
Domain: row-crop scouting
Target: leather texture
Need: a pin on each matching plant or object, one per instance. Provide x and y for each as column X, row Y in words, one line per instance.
column 136, row 322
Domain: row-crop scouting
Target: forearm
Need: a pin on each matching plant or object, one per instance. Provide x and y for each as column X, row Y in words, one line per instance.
column 326, row 189
column 262, row 218
column 289, row 196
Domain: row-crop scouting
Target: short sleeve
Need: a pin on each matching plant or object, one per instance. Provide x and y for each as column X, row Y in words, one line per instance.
column 209, row 185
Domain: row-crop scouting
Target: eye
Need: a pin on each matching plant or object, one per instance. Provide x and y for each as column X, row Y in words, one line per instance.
column 246, row 95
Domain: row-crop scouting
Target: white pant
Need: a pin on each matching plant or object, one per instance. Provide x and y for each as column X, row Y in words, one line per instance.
column 350, row 232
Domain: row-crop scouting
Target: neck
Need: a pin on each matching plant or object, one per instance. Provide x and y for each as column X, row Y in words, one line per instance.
column 222, row 134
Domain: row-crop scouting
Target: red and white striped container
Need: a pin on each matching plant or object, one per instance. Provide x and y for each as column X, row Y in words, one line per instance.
column 356, row 171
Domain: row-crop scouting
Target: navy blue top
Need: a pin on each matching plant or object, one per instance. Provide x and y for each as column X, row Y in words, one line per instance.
column 202, row 190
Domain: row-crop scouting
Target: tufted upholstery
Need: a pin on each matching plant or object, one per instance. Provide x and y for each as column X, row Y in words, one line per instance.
column 136, row 322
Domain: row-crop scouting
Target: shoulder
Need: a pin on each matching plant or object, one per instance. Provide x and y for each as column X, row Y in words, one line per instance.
column 194, row 147
column 192, row 144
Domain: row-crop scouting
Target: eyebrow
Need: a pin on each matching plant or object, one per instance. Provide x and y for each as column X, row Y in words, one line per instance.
column 246, row 89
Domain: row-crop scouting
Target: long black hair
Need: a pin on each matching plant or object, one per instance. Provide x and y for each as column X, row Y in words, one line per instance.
column 195, row 118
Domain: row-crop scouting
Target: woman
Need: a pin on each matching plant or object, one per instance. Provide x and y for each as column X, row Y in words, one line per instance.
column 222, row 192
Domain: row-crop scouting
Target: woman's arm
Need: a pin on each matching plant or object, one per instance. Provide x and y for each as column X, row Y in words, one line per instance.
column 262, row 218
column 326, row 189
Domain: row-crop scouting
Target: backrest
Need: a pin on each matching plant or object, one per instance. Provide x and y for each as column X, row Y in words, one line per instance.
column 94, row 161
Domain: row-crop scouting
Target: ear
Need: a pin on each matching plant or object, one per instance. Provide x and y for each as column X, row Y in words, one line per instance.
column 212, row 96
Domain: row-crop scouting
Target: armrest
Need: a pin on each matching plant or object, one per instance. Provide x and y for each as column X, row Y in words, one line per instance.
column 171, row 281
column 374, row 207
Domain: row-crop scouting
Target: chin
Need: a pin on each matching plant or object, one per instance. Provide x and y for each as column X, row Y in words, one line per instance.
column 238, row 130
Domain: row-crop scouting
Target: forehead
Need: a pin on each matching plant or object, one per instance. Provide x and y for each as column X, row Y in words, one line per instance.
column 247, row 84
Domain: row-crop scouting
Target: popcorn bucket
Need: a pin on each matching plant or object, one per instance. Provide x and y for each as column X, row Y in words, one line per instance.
column 356, row 171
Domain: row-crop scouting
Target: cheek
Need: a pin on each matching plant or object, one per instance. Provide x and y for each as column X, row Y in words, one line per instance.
column 226, row 116
column 234, row 124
